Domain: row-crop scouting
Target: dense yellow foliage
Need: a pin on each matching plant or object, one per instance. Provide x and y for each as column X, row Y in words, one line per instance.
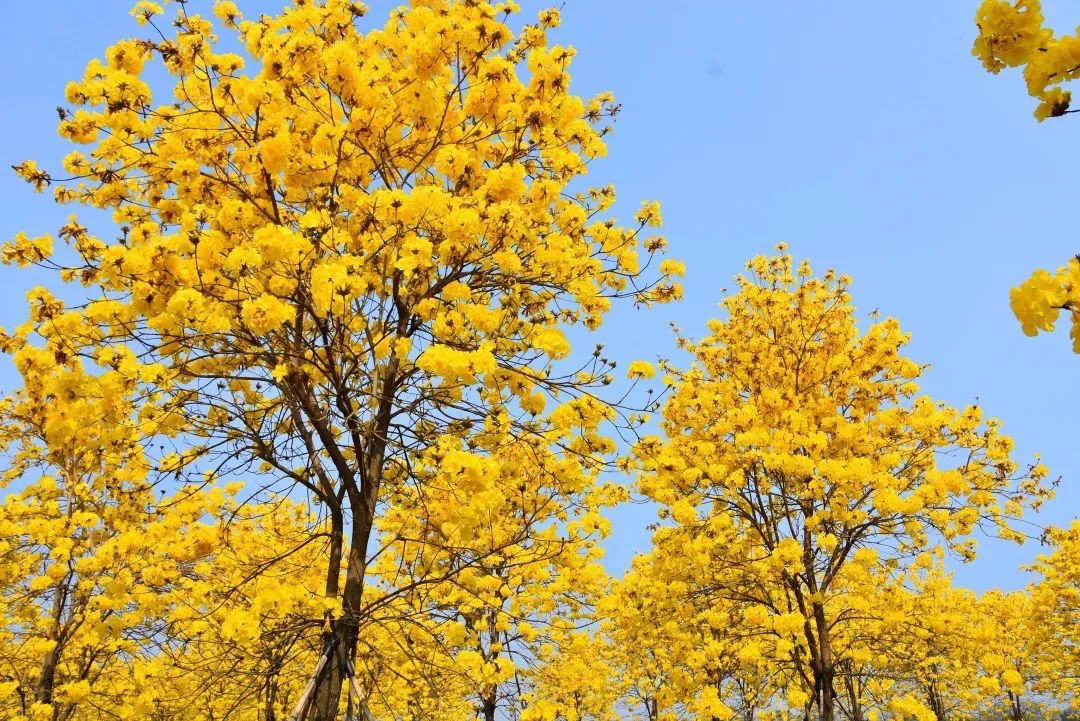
column 317, row 407
column 349, row 258
column 1013, row 34
column 807, row 487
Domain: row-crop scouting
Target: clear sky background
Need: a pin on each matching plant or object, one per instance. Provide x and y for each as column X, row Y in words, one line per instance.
column 862, row 133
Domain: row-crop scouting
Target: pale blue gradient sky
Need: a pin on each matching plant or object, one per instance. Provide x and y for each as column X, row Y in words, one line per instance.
column 862, row 133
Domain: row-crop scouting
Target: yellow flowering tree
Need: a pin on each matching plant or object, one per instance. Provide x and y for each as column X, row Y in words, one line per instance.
column 501, row 552
column 679, row 649
column 648, row 627
column 1010, row 644
column 90, row 554
column 915, row 650
column 235, row 631
column 806, row 437
column 1039, row 300
column 1054, row 612
column 573, row 681
column 343, row 245
column 1013, row 34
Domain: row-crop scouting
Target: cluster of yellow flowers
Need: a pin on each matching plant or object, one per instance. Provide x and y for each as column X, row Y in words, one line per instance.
column 1012, row 34
column 1039, row 300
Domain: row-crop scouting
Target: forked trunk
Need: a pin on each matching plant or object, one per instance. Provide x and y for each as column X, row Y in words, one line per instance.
column 347, row 631
column 362, row 501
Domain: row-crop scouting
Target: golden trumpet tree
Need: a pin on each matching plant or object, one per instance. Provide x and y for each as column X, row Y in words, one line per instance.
column 683, row 651
column 82, row 598
column 1055, row 612
column 239, row 636
column 915, row 651
column 90, row 553
column 647, row 625
column 573, row 681
column 807, row 438
column 500, row 553
column 1009, row 644
column 1014, row 34
column 343, row 244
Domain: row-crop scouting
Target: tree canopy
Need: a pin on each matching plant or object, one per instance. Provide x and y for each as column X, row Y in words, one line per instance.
column 320, row 423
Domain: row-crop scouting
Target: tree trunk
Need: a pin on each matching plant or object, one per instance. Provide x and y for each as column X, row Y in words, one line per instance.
column 1017, row 712
column 270, row 691
column 43, row 690
column 490, row 695
column 489, row 707
column 346, row 629
column 936, row 703
column 824, row 671
column 853, row 697
column 828, row 702
column 362, row 498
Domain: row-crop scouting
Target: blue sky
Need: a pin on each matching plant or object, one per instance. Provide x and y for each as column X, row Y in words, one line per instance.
column 863, row 134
